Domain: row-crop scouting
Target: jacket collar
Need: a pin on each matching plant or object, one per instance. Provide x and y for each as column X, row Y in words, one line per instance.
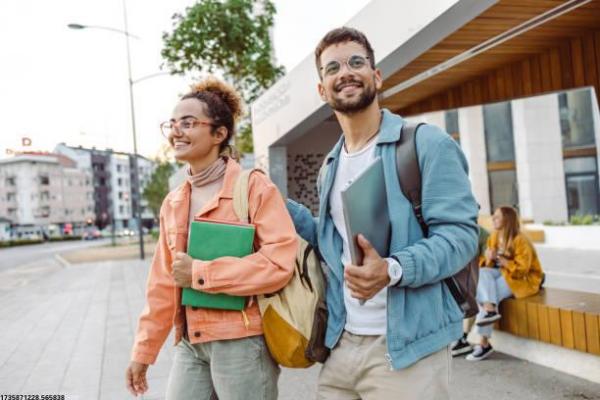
column 389, row 132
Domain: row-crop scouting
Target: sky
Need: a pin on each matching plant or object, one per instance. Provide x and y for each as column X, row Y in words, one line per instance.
column 63, row 85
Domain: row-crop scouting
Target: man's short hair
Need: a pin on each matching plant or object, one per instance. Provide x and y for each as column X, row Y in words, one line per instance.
column 343, row 35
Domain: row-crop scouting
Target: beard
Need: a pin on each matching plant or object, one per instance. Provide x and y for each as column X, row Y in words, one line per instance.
column 365, row 99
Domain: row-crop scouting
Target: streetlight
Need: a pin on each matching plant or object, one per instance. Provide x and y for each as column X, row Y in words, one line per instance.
column 136, row 190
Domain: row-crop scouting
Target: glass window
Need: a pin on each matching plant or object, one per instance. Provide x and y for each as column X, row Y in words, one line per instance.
column 582, row 194
column 451, row 117
column 580, row 165
column 581, row 175
column 576, row 118
column 497, row 120
column 503, row 188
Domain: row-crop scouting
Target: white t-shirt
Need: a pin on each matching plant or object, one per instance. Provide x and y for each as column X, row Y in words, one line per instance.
column 369, row 318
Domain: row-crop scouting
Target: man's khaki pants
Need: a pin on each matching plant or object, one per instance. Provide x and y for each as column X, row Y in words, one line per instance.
column 358, row 369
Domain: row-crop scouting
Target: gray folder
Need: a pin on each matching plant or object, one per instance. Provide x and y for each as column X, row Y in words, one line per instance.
column 366, row 211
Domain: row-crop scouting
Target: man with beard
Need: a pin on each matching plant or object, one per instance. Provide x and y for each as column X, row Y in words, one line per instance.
column 395, row 345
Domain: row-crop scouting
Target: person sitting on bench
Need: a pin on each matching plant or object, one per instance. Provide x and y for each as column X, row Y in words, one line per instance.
column 510, row 267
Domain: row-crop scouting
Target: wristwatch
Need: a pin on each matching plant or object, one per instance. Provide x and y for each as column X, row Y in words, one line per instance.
column 394, row 271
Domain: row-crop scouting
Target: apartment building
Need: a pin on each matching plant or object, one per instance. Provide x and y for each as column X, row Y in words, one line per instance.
column 46, row 190
column 114, row 184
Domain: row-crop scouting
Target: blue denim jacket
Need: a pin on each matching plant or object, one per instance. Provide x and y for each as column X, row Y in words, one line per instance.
column 422, row 315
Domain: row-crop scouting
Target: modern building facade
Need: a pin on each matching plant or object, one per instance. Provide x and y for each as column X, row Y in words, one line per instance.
column 45, row 190
column 515, row 83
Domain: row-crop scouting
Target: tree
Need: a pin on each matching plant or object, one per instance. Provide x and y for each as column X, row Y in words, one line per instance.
column 158, row 187
column 231, row 37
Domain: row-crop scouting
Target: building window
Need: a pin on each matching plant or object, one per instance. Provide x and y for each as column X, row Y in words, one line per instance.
column 118, row 168
column 581, row 177
column 11, row 196
column 503, row 189
column 102, row 182
column 12, row 212
column 44, row 180
column 11, row 181
column 45, row 195
column 498, row 130
column 576, row 118
column 500, row 148
column 120, row 209
column 451, row 119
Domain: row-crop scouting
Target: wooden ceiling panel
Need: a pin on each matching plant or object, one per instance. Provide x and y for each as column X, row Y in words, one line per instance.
column 505, row 15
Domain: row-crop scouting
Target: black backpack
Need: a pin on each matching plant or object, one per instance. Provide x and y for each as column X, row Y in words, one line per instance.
column 462, row 285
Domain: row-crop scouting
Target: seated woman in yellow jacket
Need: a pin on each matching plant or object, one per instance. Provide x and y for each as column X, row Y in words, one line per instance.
column 510, row 267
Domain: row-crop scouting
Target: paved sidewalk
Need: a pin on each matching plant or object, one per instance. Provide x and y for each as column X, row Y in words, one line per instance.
column 70, row 332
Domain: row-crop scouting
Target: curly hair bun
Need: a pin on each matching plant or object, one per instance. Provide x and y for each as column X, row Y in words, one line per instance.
column 226, row 93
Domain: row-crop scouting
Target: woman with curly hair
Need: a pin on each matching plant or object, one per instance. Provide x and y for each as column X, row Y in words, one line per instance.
column 218, row 352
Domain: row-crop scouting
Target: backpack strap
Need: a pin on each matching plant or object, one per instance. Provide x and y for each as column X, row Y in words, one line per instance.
column 409, row 173
column 240, row 194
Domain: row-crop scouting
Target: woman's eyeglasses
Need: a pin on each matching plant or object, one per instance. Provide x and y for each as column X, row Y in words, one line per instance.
column 183, row 125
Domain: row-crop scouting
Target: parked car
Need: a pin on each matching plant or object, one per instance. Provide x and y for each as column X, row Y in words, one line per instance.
column 91, row 233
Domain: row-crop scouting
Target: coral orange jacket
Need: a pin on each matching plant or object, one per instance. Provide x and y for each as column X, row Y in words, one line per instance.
column 267, row 270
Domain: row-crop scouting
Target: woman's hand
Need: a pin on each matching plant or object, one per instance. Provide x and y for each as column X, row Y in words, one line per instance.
column 182, row 270
column 135, row 378
column 490, row 256
column 502, row 261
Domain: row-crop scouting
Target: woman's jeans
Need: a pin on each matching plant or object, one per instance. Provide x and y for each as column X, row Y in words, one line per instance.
column 492, row 288
column 238, row 369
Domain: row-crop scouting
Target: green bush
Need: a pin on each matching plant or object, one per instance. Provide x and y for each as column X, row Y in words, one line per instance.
column 64, row 238
column 553, row 223
column 587, row 219
column 20, row 242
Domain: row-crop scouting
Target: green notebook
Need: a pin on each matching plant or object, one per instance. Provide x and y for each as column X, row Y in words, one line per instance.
column 211, row 239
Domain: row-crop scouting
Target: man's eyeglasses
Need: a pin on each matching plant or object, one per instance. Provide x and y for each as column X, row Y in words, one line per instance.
column 183, row 125
column 354, row 62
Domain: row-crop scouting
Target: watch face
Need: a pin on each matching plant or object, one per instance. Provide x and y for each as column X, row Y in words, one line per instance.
column 394, row 271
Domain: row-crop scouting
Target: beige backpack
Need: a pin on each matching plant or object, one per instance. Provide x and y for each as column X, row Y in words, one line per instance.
column 294, row 319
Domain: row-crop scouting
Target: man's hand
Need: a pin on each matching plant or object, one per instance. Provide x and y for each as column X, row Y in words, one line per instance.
column 367, row 280
column 135, row 378
column 182, row 270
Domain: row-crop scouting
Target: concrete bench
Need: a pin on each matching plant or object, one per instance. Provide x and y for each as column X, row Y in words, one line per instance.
column 563, row 318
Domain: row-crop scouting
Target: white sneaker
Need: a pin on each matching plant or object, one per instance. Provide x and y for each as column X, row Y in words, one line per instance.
column 480, row 353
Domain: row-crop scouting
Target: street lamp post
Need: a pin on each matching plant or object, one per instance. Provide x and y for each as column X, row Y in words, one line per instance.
column 136, row 177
